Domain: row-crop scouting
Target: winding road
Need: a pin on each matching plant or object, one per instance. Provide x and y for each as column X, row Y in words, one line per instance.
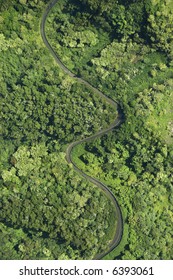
column 119, row 229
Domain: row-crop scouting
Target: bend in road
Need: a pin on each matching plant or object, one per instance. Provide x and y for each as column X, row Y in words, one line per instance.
column 119, row 227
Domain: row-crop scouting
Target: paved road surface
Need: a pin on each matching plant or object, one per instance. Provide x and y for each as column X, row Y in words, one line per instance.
column 119, row 229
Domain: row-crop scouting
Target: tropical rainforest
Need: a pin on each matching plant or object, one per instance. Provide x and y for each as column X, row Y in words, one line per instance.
column 124, row 48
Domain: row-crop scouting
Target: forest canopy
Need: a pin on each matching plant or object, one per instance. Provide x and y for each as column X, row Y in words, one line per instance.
column 125, row 49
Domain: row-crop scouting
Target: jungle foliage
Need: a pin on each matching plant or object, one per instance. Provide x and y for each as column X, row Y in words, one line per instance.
column 125, row 49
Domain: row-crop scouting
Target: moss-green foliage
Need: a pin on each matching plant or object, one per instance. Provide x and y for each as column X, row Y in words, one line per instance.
column 160, row 23
column 55, row 210
column 125, row 49
column 46, row 209
column 48, row 99
column 78, row 32
column 135, row 161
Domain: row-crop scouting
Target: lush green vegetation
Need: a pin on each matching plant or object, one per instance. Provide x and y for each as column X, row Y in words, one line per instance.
column 124, row 48
column 40, row 112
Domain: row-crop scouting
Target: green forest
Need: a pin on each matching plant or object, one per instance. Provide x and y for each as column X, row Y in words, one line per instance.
column 123, row 48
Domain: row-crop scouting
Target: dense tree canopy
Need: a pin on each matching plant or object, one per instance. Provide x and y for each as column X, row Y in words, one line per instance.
column 125, row 49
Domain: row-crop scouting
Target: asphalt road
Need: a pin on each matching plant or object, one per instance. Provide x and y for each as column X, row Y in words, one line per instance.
column 119, row 227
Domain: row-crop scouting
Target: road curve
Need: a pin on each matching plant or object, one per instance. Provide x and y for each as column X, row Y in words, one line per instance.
column 119, row 229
